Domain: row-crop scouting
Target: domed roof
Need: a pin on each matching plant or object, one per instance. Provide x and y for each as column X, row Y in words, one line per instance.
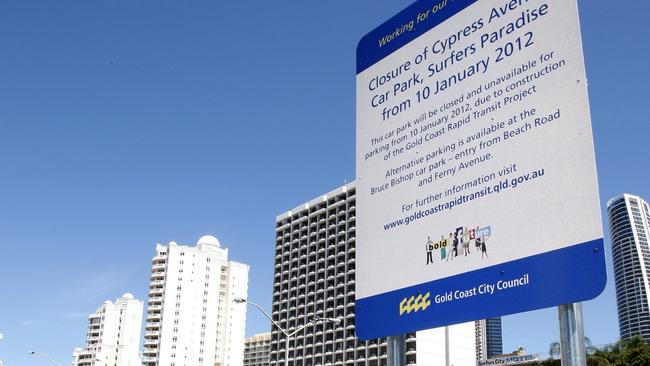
column 208, row 240
column 127, row 296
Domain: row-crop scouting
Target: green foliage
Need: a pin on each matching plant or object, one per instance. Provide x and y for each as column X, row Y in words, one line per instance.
column 633, row 352
column 549, row 362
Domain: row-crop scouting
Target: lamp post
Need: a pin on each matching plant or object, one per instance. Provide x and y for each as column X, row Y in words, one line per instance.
column 288, row 335
column 2, row 336
column 44, row 356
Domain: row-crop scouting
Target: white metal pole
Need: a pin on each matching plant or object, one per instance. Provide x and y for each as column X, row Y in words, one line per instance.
column 44, row 356
column 572, row 335
column 447, row 346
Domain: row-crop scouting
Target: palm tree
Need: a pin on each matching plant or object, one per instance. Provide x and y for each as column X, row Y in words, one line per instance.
column 589, row 347
column 554, row 349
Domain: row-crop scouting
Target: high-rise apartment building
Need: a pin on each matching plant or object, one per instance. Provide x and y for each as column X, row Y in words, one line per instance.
column 75, row 356
column 257, row 350
column 113, row 337
column 191, row 318
column 629, row 222
column 489, row 338
column 315, row 277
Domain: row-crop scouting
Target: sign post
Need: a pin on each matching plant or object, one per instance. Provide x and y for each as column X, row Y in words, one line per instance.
column 572, row 335
column 477, row 193
column 396, row 350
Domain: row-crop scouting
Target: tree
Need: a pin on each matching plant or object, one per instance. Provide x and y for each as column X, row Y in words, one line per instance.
column 636, row 352
column 632, row 352
column 554, row 350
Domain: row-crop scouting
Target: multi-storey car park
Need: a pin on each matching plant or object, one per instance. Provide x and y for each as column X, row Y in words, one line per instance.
column 315, row 277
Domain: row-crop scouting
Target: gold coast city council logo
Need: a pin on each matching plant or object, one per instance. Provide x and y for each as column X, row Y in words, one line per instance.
column 414, row 304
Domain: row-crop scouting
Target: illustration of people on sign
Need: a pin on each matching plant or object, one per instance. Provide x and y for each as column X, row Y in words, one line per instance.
column 450, row 242
column 429, row 249
column 460, row 236
column 482, row 235
column 465, row 241
column 443, row 247
column 463, row 237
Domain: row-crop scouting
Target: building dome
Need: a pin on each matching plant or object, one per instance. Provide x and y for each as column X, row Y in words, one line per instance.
column 127, row 296
column 209, row 240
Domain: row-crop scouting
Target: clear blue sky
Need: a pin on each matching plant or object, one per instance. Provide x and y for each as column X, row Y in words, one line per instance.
column 126, row 123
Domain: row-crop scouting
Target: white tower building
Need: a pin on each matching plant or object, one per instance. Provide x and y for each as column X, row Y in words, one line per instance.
column 113, row 337
column 257, row 350
column 629, row 223
column 315, row 277
column 191, row 318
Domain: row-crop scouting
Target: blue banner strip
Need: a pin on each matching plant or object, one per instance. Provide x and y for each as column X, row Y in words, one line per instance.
column 370, row 51
column 562, row 276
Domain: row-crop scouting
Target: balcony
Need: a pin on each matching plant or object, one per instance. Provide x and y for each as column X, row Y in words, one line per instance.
column 152, row 326
column 154, row 317
column 152, row 334
column 159, row 259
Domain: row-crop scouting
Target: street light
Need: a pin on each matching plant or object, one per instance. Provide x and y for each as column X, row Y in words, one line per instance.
column 44, row 356
column 287, row 335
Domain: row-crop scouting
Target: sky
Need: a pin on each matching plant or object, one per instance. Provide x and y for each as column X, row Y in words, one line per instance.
column 129, row 123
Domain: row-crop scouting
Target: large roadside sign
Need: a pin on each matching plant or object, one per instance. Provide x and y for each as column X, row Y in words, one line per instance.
column 477, row 192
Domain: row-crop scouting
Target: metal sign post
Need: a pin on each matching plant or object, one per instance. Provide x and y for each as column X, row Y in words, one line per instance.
column 396, row 350
column 572, row 335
